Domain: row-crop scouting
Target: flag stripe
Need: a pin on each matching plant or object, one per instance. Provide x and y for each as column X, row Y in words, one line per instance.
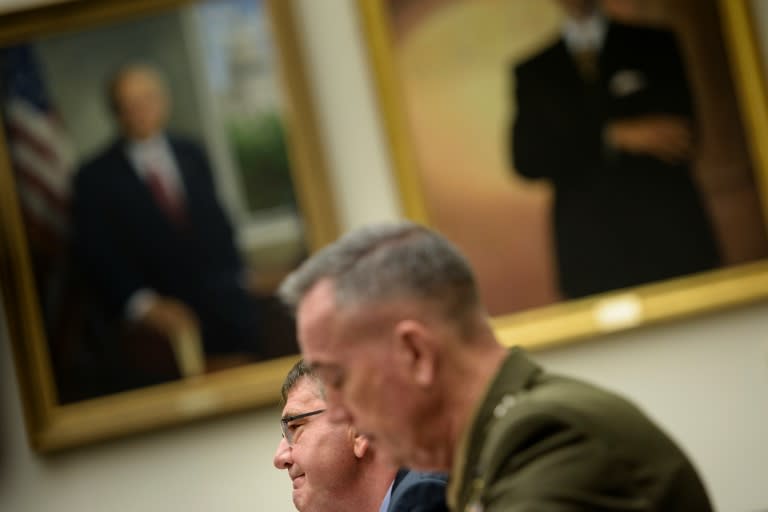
column 41, row 126
column 41, row 153
column 57, row 201
column 51, row 175
column 36, row 203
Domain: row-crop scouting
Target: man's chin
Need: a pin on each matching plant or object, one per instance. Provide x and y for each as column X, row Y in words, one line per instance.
column 298, row 500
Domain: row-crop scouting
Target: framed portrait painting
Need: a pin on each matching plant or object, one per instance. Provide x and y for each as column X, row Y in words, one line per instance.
column 160, row 172
column 597, row 161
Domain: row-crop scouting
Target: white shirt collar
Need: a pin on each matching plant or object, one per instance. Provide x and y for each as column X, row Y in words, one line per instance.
column 586, row 34
column 156, row 151
column 141, row 150
column 385, row 504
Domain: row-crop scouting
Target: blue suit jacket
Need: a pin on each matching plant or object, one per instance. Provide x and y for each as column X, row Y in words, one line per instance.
column 123, row 242
column 413, row 491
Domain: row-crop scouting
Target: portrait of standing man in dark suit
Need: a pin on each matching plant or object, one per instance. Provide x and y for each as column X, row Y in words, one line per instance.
column 605, row 114
column 150, row 237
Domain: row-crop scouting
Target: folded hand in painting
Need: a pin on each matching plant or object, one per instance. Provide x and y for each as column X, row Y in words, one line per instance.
column 170, row 317
column 666, row 137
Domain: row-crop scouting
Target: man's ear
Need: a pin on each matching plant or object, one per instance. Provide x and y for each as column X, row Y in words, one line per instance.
column 415, row 349
column 361, row 445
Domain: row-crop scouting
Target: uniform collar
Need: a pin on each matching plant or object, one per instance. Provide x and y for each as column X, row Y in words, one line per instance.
column 516, row 373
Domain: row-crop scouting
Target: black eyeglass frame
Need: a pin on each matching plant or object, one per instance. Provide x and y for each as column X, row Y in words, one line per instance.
column 284, row 421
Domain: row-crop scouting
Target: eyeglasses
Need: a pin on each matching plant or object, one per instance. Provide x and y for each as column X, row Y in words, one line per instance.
column 286, row 428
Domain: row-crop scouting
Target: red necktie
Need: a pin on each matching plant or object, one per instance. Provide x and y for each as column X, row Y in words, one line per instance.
column 170, row 203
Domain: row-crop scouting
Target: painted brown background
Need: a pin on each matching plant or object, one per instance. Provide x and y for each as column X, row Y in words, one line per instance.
column 452, row 58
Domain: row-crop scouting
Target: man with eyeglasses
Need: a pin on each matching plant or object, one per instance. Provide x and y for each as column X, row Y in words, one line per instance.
column 390, row 320
column 335, row 469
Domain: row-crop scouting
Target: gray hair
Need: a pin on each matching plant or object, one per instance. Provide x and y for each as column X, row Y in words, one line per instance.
column 386, row 261
column 299, row 371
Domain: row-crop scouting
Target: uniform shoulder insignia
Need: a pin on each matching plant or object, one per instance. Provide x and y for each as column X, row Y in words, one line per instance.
column 506, row 403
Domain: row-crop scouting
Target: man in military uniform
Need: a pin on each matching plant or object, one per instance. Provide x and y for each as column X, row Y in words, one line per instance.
column 390, row 320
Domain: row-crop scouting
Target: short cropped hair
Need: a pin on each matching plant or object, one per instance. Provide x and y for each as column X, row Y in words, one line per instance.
column 299, row 371
column 388, row 261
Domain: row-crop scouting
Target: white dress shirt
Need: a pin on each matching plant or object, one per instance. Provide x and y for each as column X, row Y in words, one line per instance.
column 585, row 34
column 387, row 498
column 155, row 154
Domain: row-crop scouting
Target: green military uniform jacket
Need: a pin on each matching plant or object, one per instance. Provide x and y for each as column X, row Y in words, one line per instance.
column 545, row 443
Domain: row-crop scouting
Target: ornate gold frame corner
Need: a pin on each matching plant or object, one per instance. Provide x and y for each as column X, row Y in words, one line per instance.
column 577, row 320
column 53, row 427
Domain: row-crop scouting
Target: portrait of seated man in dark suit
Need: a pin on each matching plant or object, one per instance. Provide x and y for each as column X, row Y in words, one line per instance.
column 606, row 115
column 150, row 237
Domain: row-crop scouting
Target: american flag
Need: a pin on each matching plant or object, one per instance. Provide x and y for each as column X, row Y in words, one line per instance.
column 41, row 153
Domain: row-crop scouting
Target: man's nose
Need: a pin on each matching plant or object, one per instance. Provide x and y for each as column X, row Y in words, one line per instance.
column 283, row 455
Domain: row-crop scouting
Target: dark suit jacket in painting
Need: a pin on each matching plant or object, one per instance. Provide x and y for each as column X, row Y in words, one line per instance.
column 124, row 242
column 541, row 442
column 414, row 491
column 620, row 219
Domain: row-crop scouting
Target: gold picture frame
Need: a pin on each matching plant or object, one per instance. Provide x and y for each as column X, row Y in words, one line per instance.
column 53, row 426
column 581, row 318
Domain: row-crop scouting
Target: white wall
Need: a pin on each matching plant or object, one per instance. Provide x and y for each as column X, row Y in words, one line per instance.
column 705, row 380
